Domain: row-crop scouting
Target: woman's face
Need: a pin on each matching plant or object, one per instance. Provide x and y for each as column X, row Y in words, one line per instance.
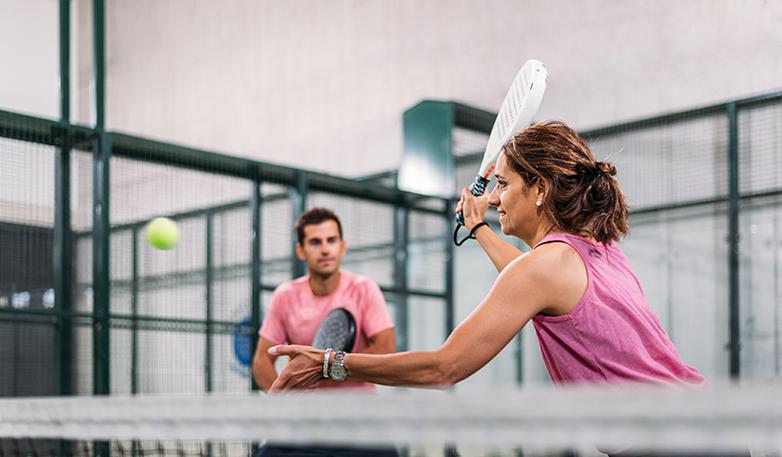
column 515, row 202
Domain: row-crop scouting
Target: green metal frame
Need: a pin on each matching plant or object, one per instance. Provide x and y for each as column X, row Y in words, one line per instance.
column 101, row 236
column 734, row 336
column 151, row 151
column 134, row 316
column 450, row 304
column 256, row 316
column 208, row 297
column 298, row 206
column 401, row 240
column 63, row 237
column 101, row 239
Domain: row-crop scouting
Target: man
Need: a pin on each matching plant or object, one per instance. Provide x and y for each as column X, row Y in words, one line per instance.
column 299, row 306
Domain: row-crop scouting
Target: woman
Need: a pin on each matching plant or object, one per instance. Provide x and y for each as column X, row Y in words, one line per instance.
column 590, row 315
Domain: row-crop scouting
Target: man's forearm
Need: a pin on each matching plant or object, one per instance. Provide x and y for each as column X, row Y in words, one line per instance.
column 383, row 342
column 264, row 376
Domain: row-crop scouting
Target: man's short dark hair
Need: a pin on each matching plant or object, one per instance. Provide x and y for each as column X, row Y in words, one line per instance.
column 316, row 216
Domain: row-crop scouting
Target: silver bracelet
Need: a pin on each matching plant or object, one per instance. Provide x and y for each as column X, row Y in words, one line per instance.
column 326, row 356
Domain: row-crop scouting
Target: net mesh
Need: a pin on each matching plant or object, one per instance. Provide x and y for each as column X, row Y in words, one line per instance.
column 714, row 420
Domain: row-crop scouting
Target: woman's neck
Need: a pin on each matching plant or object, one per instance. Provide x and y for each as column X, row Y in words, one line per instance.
column 541, row 232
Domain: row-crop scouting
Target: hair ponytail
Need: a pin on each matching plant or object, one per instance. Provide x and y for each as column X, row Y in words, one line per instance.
column 581, row 196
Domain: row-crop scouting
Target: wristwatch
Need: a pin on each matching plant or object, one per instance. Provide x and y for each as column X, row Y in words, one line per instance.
column 338, row 372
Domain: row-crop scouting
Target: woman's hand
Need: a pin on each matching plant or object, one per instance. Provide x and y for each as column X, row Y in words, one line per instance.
column 474, row 208
column 304, row 369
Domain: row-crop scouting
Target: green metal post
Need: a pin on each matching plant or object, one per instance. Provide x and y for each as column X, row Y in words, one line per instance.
column 256, row 312
column 134, row 286
column 208, row 298
column 101, row 219
column 101, row 234
column 450, row 304
column 519, row 349
column 135, row 445
column 298, row 206
column 401, row 241
column 99, row 64
column 63, row 237
column 734, row 239
column 65, row 60
column 519, row 340
column 428, row 145
column 17, row 357
column 209, row 270
column 255, row 270
column 100, row 266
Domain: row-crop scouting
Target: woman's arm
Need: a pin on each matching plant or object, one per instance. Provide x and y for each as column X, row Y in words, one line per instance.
column 519, row 293
column 474, row 209
column 499, row 251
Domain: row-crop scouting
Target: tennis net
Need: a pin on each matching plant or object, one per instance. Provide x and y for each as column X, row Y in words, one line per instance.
column 532, row 421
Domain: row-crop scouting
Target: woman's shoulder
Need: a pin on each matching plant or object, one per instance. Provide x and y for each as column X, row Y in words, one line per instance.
column 556, row 270
column 546, row 259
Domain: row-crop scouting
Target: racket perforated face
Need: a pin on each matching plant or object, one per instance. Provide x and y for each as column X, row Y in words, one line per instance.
column 337, row 331
column 517, row 111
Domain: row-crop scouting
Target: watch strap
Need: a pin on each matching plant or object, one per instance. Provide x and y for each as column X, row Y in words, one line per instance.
column 326, row 356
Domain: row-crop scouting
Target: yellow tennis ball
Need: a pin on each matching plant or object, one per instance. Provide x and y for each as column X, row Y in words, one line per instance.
column 162, row 233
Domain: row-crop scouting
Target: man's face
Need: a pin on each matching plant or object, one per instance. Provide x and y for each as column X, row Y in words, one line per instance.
column 322, row 248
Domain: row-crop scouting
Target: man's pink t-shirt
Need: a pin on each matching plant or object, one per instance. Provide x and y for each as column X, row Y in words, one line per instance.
column 612, row 334
column 295, row 313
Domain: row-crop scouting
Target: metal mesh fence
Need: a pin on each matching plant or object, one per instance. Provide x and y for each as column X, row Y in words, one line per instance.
column 672, row 162
column 28, row 344
column 182, row 320
column 760, row 146
column 177, row 320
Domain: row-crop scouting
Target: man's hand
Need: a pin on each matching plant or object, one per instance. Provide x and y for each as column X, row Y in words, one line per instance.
column 304, row 369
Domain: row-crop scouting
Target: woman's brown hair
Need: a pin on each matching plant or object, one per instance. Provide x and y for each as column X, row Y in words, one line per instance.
column 581, row 195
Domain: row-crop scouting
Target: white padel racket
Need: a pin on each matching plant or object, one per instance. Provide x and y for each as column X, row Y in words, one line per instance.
column 516, row 113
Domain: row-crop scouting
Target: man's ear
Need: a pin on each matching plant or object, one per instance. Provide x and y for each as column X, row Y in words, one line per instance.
column 300, row 251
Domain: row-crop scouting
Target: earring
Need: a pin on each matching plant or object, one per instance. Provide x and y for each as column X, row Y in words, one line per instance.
column 539, row 202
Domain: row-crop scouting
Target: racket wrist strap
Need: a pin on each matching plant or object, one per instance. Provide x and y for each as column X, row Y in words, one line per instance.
column 326, row 356
column 477, row 226
column 470, row 236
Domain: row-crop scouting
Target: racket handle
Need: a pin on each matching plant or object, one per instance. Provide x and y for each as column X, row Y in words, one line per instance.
column 477, row 188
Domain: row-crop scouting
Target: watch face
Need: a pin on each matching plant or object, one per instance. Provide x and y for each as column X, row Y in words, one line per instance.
column 338, row 373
